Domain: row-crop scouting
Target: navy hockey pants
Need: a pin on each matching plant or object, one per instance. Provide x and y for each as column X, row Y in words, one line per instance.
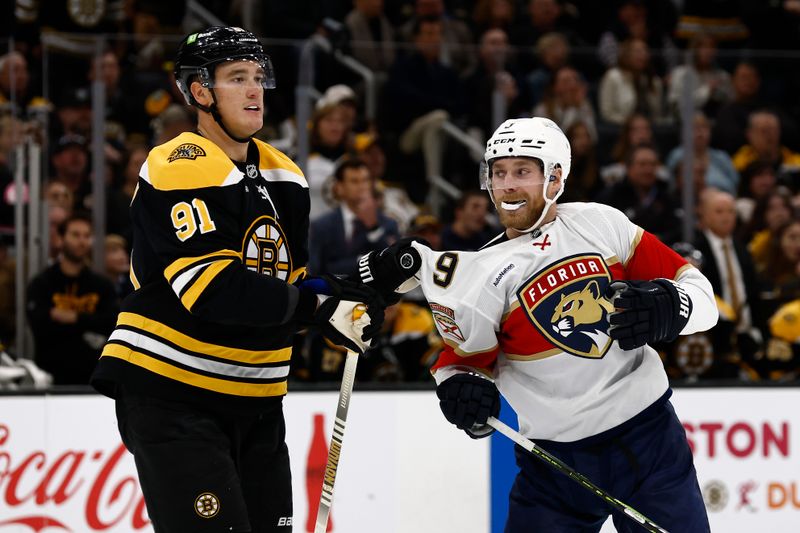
column 648, row 466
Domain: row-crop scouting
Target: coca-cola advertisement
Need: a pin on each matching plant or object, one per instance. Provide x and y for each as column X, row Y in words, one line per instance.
column 64, row 469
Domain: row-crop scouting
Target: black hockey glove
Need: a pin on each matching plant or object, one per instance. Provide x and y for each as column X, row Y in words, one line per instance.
column 386, row 270
column 647, row 312
column 468, row 400
column 334, row 316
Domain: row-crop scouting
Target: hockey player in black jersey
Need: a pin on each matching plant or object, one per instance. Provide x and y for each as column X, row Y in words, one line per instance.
column 200, row 355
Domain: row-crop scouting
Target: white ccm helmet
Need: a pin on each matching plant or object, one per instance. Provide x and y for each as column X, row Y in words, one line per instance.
column 536, row 137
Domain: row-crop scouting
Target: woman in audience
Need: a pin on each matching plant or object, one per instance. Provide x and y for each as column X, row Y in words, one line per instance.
column 584, row 173
column 771, row 212
column 565, row 102
column 781, row 271
column 636, row 130
column 631, row 87
column 712, row 84
column 330, row 140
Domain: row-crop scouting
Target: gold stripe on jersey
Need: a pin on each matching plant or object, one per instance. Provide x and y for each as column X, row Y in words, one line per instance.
column 634, row 244
column 185, row 262
column 511, row 309
column 534, row 356
column 191, row 378
column 613, row 260
column 253, row 357
column 273, row 159
column 211, row 167
column 681, row 270
column 461, row 353
column 189, row 298
column 132, row 275
column 297, row 274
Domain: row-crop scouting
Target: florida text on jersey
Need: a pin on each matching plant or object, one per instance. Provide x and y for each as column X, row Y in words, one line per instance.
column 215, row 244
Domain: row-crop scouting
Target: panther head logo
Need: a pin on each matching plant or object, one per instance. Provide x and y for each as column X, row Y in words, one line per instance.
column 564, row 302
column 580, row 308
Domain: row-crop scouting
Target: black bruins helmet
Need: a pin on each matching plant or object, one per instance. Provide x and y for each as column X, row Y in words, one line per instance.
column 199, row 53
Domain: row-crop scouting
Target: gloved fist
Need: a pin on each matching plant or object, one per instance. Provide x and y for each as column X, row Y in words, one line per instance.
column 334, row 315
column 468, row 400
column 388, row 271
column 647, row 312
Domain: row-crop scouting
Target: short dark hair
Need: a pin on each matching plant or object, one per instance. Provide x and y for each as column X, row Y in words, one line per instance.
column 466, row 195
column 420, row 21
column 643, row 146
column 78, row 216
column 345, row 164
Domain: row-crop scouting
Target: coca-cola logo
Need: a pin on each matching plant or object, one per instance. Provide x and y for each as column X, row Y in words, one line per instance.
column 35, row 489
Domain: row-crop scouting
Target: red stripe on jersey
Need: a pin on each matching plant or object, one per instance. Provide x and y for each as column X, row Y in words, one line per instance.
column 484, row 361
column 617, row 271
column 519, row 337
column 653, row 259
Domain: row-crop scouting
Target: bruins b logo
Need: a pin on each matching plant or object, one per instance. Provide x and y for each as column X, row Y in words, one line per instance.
column 265, row 249
column 565, row 303
column 186, row 151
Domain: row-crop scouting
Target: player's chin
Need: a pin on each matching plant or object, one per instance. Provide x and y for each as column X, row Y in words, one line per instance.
column 520, row 219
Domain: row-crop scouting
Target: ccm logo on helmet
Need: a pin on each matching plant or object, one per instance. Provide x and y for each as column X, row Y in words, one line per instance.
column 503, row 141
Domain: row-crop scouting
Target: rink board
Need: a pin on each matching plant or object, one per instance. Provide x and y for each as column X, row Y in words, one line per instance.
column 402, row 469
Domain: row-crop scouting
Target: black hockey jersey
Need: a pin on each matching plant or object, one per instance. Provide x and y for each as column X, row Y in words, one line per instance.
column 216, row 247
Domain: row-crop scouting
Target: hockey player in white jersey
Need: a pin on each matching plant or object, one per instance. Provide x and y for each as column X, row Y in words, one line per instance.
column 558, row 314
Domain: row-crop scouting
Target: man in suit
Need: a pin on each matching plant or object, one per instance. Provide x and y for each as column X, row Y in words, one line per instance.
column 729, row 267
column 338, row 238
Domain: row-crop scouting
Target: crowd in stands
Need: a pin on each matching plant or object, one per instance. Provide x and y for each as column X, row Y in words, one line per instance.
column 616, row 76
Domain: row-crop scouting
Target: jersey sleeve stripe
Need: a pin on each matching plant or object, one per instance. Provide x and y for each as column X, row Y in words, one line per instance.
column 281, row 174
column 634, row 245
column 187, row 262
column 298, row 274
column 203, row 280
column 132, row 275
column 190, row 344
column 183, row 279
column 188, row 377
column 151, row 345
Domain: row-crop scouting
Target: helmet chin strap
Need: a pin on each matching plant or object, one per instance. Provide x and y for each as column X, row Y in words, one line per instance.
column 214, row 110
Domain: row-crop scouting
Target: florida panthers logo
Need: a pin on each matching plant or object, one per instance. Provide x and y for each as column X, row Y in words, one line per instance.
column 265, row 249
column 565, row 303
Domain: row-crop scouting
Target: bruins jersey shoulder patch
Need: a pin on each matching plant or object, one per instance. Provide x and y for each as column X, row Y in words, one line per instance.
column 186, row 151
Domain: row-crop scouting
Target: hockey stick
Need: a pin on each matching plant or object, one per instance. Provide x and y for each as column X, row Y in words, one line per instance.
column 579, row 478
column 335, row 449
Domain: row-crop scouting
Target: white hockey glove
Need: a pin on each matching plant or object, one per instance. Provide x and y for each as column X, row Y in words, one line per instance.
column 346, row 323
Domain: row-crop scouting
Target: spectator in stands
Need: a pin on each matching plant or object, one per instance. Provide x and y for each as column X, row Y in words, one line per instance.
column 771, row 213
column 423, row 93
column 584, row 174
column 731, row 120
column 135, row 158
column 764, row 144
column 71, row 309
column 493, row 14
column 492, row 73
column 781, row 271
column 74, row 112
column 566, row 103
column 631, row 87
column 553, row 52
column 719, row 171
column 758, row 180
column 428, row 227
column 712, row 87
column 372, row 36
column 338, row 238
column 11, row 130
column 543, row 17
column 643, row 197
column 456, row 50
column 638, row 129
column 57, row 194
column 329, row 141
column 70, row 161
column 118, row 109
column 633, row 22
column 469, row 229
column 117, row 265
column 173, row 121
column 16, row 94
column 728, row 266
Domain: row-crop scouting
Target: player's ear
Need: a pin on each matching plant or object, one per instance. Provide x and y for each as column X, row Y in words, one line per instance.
column 200, row 93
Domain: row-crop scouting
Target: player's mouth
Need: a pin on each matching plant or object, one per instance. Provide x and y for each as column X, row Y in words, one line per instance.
column 512, row 205
column 253, row 108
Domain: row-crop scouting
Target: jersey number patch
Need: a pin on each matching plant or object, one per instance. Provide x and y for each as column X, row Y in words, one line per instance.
column 187, row 221
column 445, row 268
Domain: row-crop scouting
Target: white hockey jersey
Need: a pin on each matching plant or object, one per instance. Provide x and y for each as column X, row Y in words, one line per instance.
column 530, row 312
